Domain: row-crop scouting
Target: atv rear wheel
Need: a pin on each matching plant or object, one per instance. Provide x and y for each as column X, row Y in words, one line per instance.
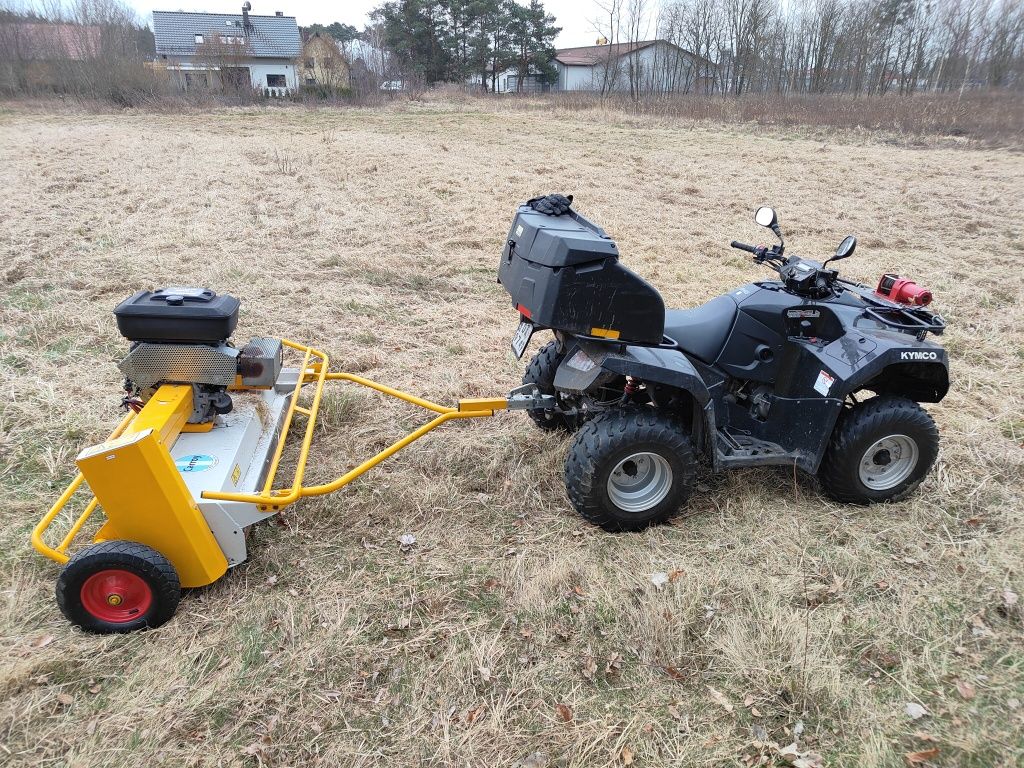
column 541, row 373
column 630, row 468
column 880, row 451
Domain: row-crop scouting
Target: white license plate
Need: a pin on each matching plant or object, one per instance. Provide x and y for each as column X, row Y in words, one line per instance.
column 521, row 338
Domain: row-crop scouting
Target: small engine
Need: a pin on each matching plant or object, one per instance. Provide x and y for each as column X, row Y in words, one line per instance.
column 903, row 291
column 181, row 335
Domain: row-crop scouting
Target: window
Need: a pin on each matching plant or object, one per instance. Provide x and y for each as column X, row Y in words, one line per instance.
column 310, row 63
column 196, row 80
column 199, row 39
column 276, row 81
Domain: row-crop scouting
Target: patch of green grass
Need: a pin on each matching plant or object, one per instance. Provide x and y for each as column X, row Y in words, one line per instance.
column 1013, row 429
column 27, row 299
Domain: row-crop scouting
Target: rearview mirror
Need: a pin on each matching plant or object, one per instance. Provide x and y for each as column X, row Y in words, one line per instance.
column 846, row 248
column 766, row 217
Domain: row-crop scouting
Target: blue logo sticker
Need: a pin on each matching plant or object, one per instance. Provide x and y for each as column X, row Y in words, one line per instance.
column 195, row 462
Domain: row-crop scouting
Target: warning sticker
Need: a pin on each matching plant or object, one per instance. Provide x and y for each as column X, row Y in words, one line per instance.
column 235, row 474
column 823, row 384
column 195, row 462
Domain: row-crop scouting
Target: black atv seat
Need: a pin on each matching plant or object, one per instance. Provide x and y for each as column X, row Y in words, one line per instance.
column 702, row 331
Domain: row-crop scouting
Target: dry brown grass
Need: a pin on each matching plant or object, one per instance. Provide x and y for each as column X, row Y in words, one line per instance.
column 374, row 235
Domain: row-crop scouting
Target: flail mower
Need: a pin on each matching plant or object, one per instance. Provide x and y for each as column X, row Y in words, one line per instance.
column 196, row 460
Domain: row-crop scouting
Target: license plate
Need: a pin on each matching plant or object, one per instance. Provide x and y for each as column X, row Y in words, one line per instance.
column 521, row 338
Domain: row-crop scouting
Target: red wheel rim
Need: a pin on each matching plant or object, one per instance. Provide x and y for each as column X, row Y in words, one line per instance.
column 116, row 596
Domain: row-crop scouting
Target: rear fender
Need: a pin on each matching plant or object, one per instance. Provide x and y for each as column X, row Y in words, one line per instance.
column 586, row 364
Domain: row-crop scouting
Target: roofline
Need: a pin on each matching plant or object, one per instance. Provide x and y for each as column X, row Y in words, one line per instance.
column 222, row 15
column 638, row 43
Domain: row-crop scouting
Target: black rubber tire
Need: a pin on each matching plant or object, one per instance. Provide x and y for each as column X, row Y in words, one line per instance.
column 145, row 562
column 858, row 429
column 606, row 440
column 541, row 372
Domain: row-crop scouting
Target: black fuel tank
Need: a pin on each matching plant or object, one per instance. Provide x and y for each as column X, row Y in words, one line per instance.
column 178, row 315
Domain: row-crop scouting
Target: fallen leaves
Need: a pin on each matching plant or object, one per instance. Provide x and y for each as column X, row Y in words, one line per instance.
column 922, row 756
column 720, row 699
column 626, row 755
column 915, row 711
column 589, row 668
column 564, row 712
column 819, row 594
column 534, row 760
column 614, row 665
column 965, row 689
column 406, row 542
column 660, row 578
column 674, row 673
column 770, row 753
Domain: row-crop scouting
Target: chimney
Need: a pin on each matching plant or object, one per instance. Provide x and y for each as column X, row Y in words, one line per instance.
column 279, row 13
column 246, row 7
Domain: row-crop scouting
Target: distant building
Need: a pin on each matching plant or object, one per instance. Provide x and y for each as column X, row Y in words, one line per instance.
column 323, row 63
column 226, row 51
column 508, row 82
column 32, row 54
column 647, row 66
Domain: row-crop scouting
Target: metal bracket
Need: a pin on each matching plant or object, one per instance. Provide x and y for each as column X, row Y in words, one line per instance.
column 529, row 398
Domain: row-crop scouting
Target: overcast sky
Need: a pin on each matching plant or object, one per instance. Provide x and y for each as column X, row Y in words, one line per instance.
column 575, row 17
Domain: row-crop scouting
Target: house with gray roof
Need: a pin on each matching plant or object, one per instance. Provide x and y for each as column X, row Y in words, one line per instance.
column 227, row 51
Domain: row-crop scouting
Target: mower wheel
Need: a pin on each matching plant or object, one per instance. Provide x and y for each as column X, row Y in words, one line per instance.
column 880, row 451
column 541, row 372
column 118, row 586
column 630, row 468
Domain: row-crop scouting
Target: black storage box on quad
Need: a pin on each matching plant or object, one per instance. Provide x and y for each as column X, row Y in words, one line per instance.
column 563, row 272
column 178, row 315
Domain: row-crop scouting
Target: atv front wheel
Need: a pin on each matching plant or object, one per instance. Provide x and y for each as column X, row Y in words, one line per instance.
column 541, row 373
column 880, row 451
column 630, row 468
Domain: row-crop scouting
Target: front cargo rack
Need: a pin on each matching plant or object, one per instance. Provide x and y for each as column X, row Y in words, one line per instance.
column 909, row 319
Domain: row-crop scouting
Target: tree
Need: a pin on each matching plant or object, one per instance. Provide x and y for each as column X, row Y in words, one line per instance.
column 343, row 33
column 533, row 34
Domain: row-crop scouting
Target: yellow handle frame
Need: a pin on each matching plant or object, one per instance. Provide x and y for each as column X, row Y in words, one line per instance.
column 314, row 370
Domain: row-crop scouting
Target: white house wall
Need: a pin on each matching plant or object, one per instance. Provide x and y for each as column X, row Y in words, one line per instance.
column 575, row 78
column 258, row 70
column 659, row 68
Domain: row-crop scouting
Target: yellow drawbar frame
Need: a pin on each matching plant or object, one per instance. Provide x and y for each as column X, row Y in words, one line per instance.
column 313, row 370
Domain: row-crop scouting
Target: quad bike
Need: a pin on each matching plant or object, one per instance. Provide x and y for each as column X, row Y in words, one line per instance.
column 807, row 370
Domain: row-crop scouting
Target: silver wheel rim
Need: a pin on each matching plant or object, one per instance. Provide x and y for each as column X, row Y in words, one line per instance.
column 888, row 462
column 640, row 482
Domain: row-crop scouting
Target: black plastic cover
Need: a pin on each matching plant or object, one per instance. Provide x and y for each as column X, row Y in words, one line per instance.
column 563, row 272
column 178, row 315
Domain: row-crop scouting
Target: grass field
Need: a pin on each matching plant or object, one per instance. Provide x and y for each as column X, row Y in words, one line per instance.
column 511, row 633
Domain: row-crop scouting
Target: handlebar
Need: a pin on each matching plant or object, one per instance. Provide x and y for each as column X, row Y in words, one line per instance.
column 744, row 247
